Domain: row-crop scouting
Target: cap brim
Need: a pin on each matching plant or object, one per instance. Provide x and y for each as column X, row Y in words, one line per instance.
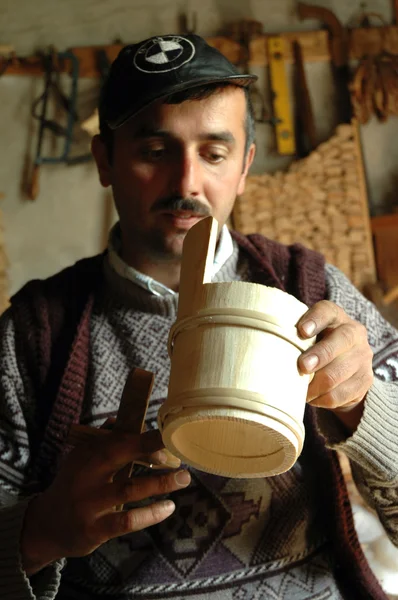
column 239, row 80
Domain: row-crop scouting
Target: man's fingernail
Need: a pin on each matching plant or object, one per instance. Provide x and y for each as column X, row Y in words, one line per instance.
column 309, row 327
column 310, row 362
column 160, row 457
column 167, row 506
column 171, row 461
column 182, row 478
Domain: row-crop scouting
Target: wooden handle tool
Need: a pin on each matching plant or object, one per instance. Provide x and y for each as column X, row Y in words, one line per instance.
column 130, row 419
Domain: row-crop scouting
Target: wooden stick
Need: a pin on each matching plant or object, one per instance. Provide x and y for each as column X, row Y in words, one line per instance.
column 134, row 402
column 130, row 419
column 132, row 411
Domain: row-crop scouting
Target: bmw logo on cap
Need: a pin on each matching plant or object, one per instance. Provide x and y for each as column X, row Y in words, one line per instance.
column 162, row 54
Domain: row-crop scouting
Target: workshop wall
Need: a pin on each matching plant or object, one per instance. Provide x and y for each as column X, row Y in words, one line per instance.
column 71, row 214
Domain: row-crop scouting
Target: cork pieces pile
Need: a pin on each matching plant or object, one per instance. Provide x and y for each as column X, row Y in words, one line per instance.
column 320, row 202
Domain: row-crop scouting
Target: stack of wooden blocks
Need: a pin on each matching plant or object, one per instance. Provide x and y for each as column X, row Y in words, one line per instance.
column 320, row 201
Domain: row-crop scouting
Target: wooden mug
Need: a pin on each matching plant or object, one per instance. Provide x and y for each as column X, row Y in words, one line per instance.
column 236, row 398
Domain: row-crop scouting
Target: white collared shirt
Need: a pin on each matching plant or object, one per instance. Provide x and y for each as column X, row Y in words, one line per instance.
column 223, row 253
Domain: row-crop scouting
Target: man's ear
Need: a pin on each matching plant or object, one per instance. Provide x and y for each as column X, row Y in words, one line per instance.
column 100, row 154
column 248, row 163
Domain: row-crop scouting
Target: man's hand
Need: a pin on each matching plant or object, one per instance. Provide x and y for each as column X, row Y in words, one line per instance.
column 76, row 514
column 341, row 361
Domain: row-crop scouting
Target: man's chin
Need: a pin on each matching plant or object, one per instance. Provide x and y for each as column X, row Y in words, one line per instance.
column 176, row 245
column 169, row 248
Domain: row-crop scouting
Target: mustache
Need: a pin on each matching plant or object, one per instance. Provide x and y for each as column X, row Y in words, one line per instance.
column 176, row 203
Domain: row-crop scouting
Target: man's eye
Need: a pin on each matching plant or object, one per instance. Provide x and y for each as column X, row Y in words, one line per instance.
column 214, row 157
column 153, row 153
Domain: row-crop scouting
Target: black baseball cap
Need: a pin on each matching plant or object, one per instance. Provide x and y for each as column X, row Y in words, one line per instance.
column 158, row 67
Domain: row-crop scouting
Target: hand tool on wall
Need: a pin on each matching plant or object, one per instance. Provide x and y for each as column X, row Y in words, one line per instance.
column 374, row 84
column 339, row 52
column 91, row 124
column 67, row 104
column 304, row 117
column 284, row 128
column 244, row 32
column 188, row 23
column 374, row 87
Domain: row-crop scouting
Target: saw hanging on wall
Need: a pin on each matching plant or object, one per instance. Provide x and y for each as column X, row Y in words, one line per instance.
column 65, row 104
column 244, row 32
column 339, row 53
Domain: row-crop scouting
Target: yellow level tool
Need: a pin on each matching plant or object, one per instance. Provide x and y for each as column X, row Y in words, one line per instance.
column 284, row 127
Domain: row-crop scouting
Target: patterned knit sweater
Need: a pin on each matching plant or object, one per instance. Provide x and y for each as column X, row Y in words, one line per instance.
column 228, row 539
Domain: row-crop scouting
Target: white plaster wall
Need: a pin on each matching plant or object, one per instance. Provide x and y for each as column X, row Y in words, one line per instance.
column 68, row 218
column 380, row 151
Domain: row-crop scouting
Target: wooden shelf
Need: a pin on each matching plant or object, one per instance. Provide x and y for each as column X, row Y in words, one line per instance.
column 87, row 56
column 314, row 44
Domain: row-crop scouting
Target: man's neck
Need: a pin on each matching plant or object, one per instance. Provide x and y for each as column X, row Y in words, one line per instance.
column 165, row 272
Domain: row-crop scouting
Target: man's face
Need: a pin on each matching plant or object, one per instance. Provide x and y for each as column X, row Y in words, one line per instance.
column 175, row 164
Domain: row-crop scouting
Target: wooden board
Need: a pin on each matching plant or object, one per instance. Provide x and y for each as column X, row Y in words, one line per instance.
column 314, row 44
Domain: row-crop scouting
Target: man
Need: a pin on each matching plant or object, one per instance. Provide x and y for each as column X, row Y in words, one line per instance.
column 176, row 144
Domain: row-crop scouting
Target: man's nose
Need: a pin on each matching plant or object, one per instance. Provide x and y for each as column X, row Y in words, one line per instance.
column 188, row 181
